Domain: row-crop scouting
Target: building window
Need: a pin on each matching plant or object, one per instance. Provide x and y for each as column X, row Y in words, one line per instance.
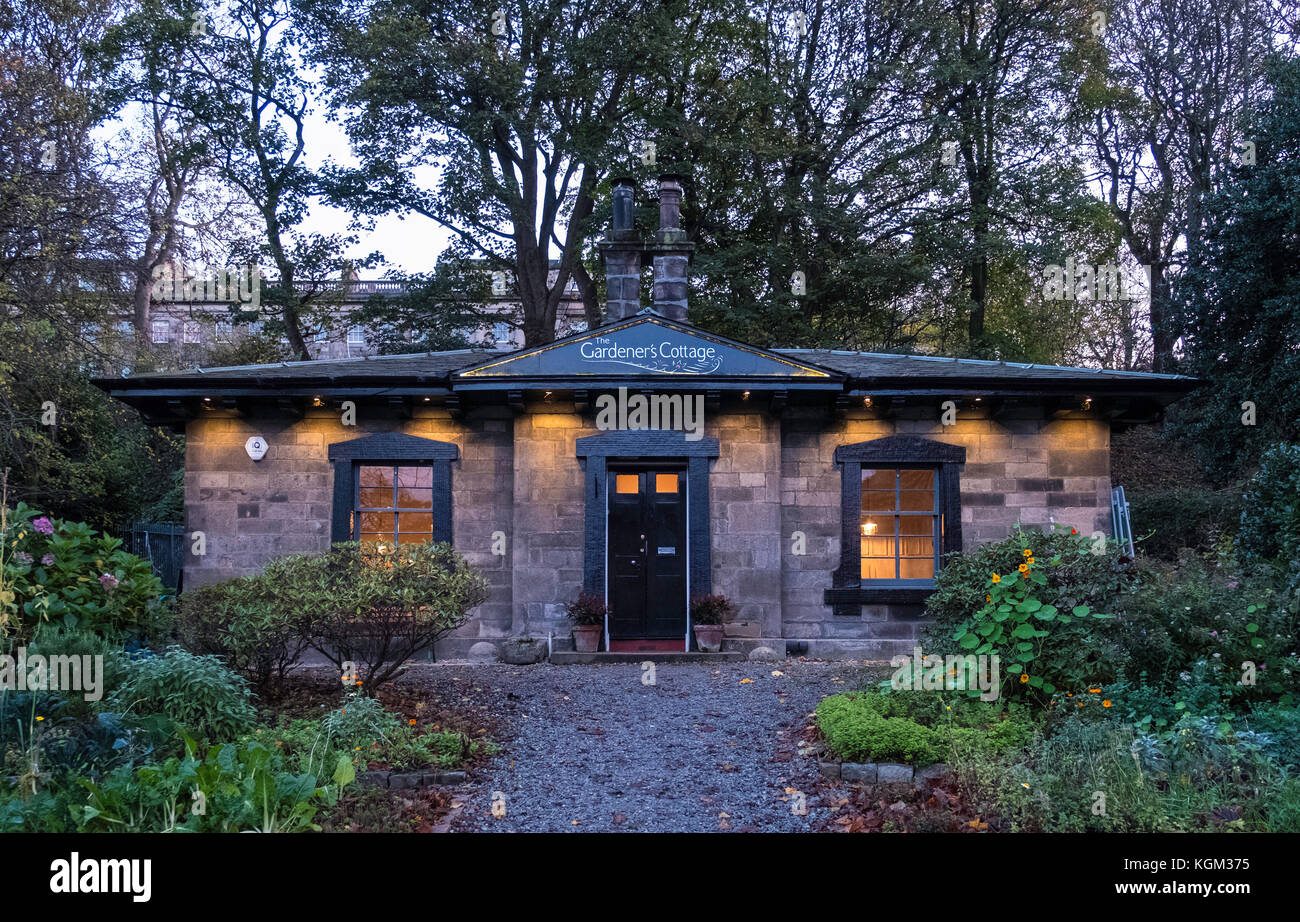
column 392, row 488
column 225, row 330
column 901, row 523
column 255, row 328
column 356, row 336
column 394, row 503
column 901, row 512
column 193, row 334
column 501, row 334
column 159, row 331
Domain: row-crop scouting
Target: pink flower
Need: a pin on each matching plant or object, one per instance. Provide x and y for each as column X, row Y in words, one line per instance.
column 43, row 525
column 23, row 557
column 108, row 581
column 1232, row 585
column 1214, row 633
column 47, row 560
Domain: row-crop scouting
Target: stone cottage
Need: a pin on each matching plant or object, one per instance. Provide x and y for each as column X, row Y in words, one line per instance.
column 650, row 461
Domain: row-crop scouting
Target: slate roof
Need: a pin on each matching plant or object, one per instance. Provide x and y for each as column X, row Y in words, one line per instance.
column 880, row 366
column 435, row 368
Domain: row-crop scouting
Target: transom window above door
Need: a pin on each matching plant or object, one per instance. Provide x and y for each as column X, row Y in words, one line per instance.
column 394, row 503
column 901, row 523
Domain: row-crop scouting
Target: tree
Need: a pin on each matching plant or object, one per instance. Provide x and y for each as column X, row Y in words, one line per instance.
column 236, row 76
column 521, row 112
column 1165, row 108
column 1240, row 303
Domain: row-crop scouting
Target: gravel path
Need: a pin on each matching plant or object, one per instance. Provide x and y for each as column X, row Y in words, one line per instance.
column 595, row 748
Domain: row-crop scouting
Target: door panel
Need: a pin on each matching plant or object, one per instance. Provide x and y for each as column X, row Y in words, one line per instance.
column 647, row 554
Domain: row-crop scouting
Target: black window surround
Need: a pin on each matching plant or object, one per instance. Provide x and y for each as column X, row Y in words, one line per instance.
column 395, row 448
column 599, row 452
column 849, row 591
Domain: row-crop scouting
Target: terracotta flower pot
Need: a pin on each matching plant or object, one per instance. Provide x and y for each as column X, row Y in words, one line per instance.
column 708, row 637
column 586, row 637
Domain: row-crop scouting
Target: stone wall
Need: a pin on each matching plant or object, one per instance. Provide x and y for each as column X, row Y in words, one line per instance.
column 1020, row 468
column 548, row 518
column 745, row 518
column 774, row 497
column 251, row 511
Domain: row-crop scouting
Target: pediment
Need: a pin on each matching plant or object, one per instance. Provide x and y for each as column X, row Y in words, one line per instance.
column 645, row 346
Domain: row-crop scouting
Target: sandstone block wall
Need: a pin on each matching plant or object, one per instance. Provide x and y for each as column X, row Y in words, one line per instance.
column 774, row 499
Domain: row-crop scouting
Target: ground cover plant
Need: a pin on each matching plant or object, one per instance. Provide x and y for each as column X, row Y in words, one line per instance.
column 1175, row 711
column 213, row 733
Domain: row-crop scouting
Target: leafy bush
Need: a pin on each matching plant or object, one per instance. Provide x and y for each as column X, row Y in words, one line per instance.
column 1081, row 577
column 378, row 605
column 362, row 732
column 588, row 609
column 51, row 641
column 1042, row 646
column 199, row 693
column 915, row 726
column 711, row 609
column 250, row 622
column 1197, row 775
column 231, row 789
column 1202, row 622
column 1167, row 520
column 63, row 573
column 1270, row 515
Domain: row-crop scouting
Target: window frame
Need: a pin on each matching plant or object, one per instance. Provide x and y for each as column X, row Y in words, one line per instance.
column 163, row 326
column 935, row 514
column 849, row 591
column 399, row 450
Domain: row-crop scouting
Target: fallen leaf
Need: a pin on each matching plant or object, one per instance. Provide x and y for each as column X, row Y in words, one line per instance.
column 777, row 672
column 746, row 681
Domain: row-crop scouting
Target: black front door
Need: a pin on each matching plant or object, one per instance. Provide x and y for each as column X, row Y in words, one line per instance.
column 647, row 553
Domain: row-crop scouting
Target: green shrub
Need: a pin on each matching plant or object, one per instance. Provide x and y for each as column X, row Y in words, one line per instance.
column 1270, row 514
column 363, row 731
column 199, row 693
column 1165, row 521
column 1196, row 775
column 55, row 572
column 1080, row 578
column 917, row 727
column 51, row 641
column 376, row 606
column 1199, row 623
column 250, row 622
column 1044, row 646
column 231, row 789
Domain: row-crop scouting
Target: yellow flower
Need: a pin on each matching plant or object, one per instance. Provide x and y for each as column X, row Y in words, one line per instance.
column 1028, row 552
column 1094, row 691
column 1024, row 568
column 1024, row 677
column 988, row 598
column 1030, row 561
column 997, row 578
column 1106, row 703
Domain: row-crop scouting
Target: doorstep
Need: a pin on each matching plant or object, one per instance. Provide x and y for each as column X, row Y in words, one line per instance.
column 572, row 658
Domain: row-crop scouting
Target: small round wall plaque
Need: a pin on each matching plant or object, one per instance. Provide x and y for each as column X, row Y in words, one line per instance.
column 256, row 447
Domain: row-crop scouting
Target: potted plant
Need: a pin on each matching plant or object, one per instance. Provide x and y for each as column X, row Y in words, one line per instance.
column 588, row 614
column 523, row 650
column 707, row 614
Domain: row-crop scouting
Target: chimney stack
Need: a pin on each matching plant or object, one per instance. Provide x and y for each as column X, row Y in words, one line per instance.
column 622, row 252
column 671, row 252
